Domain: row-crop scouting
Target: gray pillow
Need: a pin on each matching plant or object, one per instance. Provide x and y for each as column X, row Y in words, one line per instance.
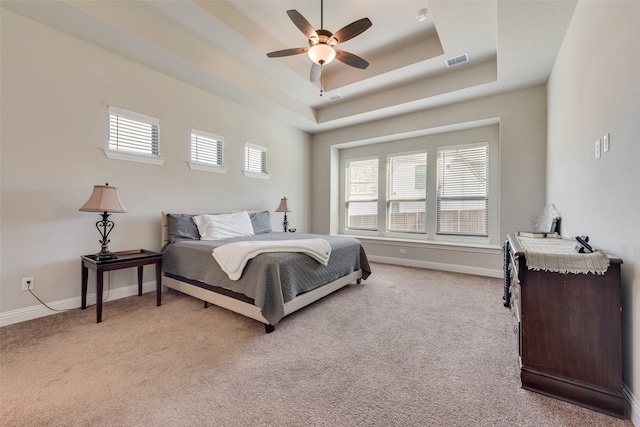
column 261, row 222
column 182, row 227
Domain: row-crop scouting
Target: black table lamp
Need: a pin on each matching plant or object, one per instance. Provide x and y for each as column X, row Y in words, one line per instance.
column 283, row 207
column 104, row 199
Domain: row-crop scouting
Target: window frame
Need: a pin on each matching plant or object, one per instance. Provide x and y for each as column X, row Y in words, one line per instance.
column 202, row 165
column 264, row 172
column 150, row 157
column 461, row 198
column 376, row 199
column 389, row 199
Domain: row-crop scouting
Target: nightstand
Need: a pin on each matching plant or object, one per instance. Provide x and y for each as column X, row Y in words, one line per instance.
column 126, row 259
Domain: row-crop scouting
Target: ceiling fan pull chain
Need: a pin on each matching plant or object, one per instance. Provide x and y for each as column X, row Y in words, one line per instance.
column 321, row 79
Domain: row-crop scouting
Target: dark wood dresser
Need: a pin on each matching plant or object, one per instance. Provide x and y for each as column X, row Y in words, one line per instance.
column 569, row 331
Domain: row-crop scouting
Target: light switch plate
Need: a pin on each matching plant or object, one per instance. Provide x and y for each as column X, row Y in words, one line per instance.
column 605, row 143
column 597, row 149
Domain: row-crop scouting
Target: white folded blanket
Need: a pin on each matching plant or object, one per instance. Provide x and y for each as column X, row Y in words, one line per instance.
column 233, row 257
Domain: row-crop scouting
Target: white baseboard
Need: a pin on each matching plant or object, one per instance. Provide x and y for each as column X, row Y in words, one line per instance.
column 633, row 405
column 455, row 268
column 39, row 310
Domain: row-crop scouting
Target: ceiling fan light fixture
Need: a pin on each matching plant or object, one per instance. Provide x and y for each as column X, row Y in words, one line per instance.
column 321, row 44
column 321, row 53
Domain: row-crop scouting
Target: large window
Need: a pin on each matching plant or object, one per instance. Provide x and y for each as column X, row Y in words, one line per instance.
column 361, row 194
column 407, row 192
column 133, row 133
column 440, row 188
column 463, row 190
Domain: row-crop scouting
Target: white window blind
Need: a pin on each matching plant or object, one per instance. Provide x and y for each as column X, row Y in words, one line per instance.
column 255, row 158
column 407, row 192
column 133, row 132
column 463, row 190
column 361, row 195
column 207, row 148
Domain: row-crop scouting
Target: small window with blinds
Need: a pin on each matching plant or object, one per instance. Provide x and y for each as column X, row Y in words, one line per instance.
column 463, row 190
column 407, row 192
column 255, row 161
column 361, row 194
column 133, row 133
column 207, row 150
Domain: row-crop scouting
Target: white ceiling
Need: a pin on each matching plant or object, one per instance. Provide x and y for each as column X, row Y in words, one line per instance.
column 220, row 46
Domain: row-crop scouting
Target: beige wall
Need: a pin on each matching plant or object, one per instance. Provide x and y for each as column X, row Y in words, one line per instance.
column 595, row 89
column 521, row 117
column 55, row 94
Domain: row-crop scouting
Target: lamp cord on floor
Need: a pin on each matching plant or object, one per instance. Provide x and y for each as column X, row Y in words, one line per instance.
column 45, row 304
column 69, row 309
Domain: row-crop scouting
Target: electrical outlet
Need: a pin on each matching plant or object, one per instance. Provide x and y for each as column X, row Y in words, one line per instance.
column 597, row 149
column 605, row 143
column 28, row 283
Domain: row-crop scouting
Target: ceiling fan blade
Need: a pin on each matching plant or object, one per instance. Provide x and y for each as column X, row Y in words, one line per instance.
column 352, row 30
column 302, row 24
column 351, row 59
column 316, row 72
column 287, row 52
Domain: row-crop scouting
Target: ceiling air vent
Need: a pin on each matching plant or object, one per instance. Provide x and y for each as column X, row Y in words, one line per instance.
column 334, row 96
column 460, row 59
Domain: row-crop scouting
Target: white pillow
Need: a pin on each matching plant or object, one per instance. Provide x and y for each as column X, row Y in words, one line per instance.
column 223, row 226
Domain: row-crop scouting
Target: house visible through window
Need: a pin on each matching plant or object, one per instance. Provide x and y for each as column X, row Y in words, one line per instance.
column 255, row 161
column 133, row 133
column 361, row 192
column 406, row 192
column 463, row 190
column 206, row 148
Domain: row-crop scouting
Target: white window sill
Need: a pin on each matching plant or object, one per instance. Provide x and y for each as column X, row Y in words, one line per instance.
column 196, row 166
column 132, row 157
column 258, row 175
column 471, row 245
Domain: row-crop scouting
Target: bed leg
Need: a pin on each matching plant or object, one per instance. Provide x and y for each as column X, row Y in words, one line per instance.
column 269, row 328
column 206, row 304
column 358, row 281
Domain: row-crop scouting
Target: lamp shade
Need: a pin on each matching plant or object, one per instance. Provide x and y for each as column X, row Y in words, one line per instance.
column 321, row 53
column 104, row 198
column 283, row 207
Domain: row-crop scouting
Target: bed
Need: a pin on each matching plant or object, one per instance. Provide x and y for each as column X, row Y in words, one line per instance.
column 272, row 285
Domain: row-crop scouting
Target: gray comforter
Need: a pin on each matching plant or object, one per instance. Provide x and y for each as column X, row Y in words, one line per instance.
column 270, row 279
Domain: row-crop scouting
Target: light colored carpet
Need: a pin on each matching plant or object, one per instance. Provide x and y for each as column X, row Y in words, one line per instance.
column 408, row 347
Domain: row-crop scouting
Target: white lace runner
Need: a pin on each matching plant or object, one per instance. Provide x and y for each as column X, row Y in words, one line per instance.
column 559, row 255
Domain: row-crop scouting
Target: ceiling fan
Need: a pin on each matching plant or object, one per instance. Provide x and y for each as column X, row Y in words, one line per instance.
column 322, row 43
